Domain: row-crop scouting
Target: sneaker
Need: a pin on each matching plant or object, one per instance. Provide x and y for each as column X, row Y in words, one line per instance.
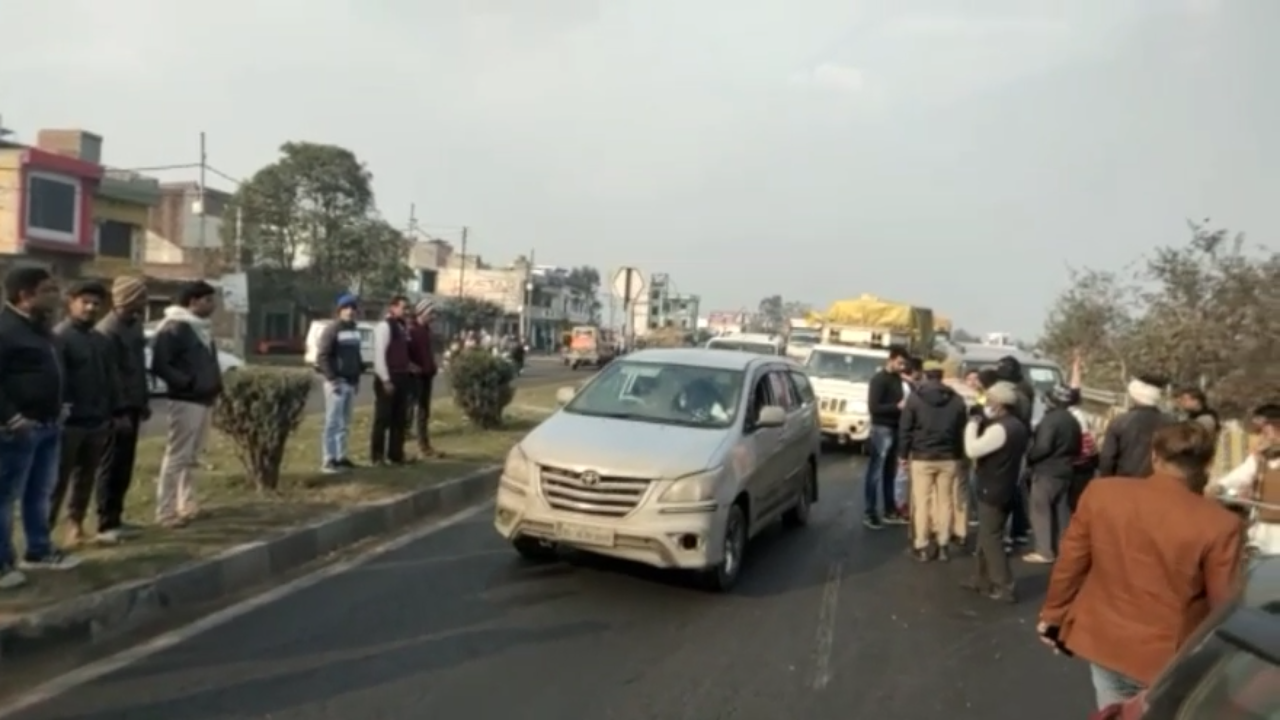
column 56, row 560
column 1005, row 595
column 330, row 468
column 346, row 464
column 893, row 517
column 10, row 579
column 108, row 537
column 921, row 555
column 872, row 521
column 1036, row 559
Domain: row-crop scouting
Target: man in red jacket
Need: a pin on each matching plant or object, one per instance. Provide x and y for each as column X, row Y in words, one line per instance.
column 422, row 350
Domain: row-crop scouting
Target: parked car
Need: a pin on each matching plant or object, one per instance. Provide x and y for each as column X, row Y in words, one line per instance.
column 670, row 457
column 228, row 361
column 313, row 341
column 1230, row 668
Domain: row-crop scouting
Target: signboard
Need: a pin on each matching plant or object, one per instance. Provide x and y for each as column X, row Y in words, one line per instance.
column 628, row 284
column 235, row 293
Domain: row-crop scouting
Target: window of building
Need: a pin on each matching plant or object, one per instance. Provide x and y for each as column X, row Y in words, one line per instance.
column 53, row 207
column 115, row 239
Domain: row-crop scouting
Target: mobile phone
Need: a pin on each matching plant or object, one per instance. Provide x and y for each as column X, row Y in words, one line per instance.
column 1052, row 633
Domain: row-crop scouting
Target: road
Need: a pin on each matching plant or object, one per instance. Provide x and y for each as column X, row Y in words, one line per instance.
column 540, row 369
column 833, row 621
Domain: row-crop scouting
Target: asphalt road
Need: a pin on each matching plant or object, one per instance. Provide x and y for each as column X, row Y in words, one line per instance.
column 833, row 621
column 538, row 370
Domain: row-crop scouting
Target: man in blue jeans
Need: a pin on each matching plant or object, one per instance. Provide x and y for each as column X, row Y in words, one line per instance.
column 339, row 360
column 886, row 394
column 31, row 414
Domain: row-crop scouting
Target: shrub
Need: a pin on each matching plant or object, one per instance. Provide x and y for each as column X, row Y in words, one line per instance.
column 259, row 409
column 481, row 385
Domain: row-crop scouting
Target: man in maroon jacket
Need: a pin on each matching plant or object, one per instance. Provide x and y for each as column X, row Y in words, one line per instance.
column 422, row 350
column 393, row 380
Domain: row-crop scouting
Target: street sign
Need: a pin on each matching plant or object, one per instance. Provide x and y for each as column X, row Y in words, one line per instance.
column 235, row 293
column 628, row 284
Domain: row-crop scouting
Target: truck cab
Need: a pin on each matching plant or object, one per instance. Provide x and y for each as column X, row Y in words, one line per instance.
column 840, row 374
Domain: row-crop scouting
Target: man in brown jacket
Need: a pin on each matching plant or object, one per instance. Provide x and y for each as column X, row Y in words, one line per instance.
column 1142, row 563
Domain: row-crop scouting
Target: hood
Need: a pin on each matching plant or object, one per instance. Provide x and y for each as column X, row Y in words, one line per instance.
column 623, row 447
column 935, row 393
column 829, row 387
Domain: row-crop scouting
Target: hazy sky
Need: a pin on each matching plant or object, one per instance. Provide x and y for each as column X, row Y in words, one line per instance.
column 957, row 153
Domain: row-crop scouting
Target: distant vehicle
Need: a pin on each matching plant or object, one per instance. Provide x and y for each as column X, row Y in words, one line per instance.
column 759, row 343
column 227, row 361
column 802, row 335
column 588, row 347
column 840, row 375
column 670, row 457
column 316, row 329
column 1043, row 374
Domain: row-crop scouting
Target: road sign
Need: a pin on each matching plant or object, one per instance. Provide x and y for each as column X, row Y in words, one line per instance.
column 628, row 284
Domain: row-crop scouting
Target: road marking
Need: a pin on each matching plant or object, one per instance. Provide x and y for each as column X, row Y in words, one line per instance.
column 95, row 670
column 827, row 625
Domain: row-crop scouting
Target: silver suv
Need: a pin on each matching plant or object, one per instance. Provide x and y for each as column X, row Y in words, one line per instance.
column 672, row 458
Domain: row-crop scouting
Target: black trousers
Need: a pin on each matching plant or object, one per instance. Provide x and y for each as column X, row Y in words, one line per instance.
column 390, row 417
column 991, row 564
column 422, row 410
column 1019, row 519
column 82, row 451
column 115, row 471
column 1079, row 481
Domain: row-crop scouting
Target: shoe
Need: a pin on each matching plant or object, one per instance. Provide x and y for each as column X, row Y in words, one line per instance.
column 346, row 464
column 1037, row 559
column 330, row 468
column 10, row 579
column 1005, row 595
column 975, row 585
column 872, row 522
column 943, row 555
column 108, row 537
column 55, row 560
column 75, row 534
column 893, row 517
column 921, row 555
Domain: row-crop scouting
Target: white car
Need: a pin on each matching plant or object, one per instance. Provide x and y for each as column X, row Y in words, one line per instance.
column 673, row 458
column 840, row 375
column 227, row 361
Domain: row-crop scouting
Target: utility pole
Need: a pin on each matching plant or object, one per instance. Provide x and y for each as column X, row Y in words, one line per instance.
column 462, row 265
column 526, row 298
column 204, row 164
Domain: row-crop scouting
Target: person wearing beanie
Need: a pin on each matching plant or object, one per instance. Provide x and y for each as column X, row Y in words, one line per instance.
column 340, row 362
column 1126, row 444
column 122, row 328
column 92, row 397
column 423, row 353
column 1055, row 448
column 998, row 447
column 393, row 381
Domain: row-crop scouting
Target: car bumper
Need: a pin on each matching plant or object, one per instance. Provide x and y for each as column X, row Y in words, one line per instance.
column 845, row 428
column 685, row 538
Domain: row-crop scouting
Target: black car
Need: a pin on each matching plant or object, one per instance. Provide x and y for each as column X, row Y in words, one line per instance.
column 1230, row 668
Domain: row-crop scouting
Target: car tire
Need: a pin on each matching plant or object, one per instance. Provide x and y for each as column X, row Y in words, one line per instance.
column 725, row 574
column 534, row 549
column 798, row 515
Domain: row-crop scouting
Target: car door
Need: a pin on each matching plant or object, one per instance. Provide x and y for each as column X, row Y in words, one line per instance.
column 810, row 436
column 760, row 446
column 791, row 455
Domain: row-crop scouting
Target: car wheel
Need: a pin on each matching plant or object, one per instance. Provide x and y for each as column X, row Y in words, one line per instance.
column 534, row 549
column 798, row 515
column 724, row 575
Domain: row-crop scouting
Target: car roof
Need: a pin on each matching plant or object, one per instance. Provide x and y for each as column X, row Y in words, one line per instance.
column 979, row 353
column 706, row 357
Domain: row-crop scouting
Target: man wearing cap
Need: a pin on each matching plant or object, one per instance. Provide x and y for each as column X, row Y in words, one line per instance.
column 92, row 394
column 392, row 384
column 338, row 359
column 423, row 353
column 127, row 358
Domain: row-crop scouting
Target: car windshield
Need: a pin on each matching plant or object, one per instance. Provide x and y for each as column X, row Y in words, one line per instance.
column 804, row 337
column 743, row 346
column 662, row 393
column 1042, row 377
column 843, row 366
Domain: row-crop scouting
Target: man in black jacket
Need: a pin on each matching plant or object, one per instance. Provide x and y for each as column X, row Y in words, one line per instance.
column 339, row 360
column 1055, row 451
column 1009, row 369
column 127, row 343
column 931, row 443
column 885, row 397
column 185, row 359
column 31, row 412
column 92, row 396
column 1126, row 444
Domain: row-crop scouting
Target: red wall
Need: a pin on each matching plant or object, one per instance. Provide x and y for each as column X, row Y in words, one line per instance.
column 89, row 175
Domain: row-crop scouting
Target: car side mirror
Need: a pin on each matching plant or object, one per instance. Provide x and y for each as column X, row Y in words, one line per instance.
column 565, row 394
column 771, row 416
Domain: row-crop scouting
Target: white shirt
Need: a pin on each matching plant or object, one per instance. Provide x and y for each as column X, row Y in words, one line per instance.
column 1263, row 536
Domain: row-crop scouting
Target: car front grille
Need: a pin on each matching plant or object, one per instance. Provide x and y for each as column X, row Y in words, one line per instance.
column 608, row 496
column 835, row 405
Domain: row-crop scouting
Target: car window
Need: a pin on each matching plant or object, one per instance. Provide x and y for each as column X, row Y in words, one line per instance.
column 843, row 366
column 804, row 389
column 662, row 393
column 1241, row 686
column 761, row 396
column 780, row 387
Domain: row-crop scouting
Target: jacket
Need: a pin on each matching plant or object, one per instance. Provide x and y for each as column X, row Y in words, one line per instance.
column 185, row 358
column 127, row 354
column 31, row 373
column 92, row 389
column 390, row 349
column 1126, row 445
column 997, row 470
column 422, row 348
column 884, row 392
column 932, row 424
column 338, row 356
column 1145, row 561
column 1056, row 445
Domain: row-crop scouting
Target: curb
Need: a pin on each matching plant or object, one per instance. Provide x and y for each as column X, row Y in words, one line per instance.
column 110, row 612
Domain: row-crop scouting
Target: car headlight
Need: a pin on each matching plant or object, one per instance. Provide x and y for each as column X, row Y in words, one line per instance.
column 517, row 470
column 693, row 488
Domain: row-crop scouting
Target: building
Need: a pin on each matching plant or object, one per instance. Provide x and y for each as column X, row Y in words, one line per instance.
column 121, row 209
column 731, row 322
column 663, row 307
column 185, row 226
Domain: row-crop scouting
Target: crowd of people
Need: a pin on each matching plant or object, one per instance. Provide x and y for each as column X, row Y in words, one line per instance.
column 73, row 397
column 1142, row 548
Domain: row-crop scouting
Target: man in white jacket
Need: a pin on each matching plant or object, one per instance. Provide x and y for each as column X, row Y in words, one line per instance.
column 1258, row 479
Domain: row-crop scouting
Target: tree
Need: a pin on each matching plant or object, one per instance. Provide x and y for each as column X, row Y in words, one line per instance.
column 468, row 313
column 585, row 280
column 383, row 271
column 772, row 317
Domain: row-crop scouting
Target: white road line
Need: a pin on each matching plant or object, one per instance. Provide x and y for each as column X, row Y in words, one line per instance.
column 95, row 670
column 827, row 625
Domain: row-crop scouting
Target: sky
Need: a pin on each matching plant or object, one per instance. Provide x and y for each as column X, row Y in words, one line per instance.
column 956, row 154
